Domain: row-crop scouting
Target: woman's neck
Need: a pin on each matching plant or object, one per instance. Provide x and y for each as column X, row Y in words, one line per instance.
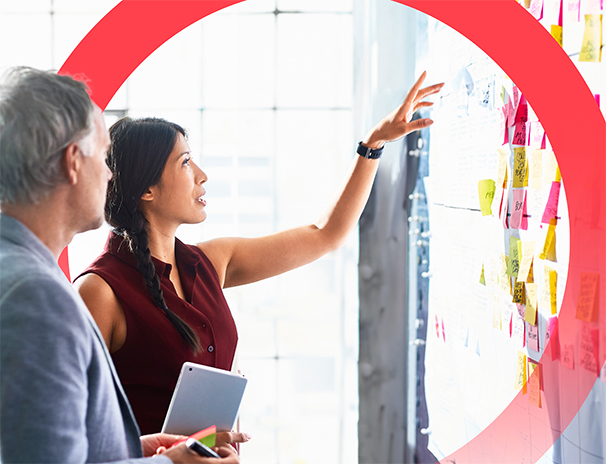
column 162, row 244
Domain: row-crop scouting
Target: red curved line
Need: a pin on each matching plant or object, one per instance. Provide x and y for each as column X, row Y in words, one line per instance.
column 127, row 35
column 577, row 131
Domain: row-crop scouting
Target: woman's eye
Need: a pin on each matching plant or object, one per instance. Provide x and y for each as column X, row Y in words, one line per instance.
column 186, row 161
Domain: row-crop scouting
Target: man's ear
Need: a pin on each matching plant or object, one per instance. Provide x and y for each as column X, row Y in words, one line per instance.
column 72, row 160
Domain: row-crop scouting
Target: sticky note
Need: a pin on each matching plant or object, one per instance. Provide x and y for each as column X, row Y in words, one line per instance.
column 514, row 259
column 531, row 305
column 537, row 135
column 536, row 169
column 486, row 189
column 573, row 7
column 502, row 172
column 552, row 338
column 519, row 134
column 525, row 259
column 520, row 380
column 530, row 277
column 592, row 39
column 496, row 317
column 517, row 208
column 550, row 166
column 589, row 348
column 550, row 284
column 482, row 278
column 504, row 279
column 503, row 132
column 567, row 355
column 534, row 384
column 549, row 249
column 558, row 34
column 551, row 208
column 519, row 166
column 519, row 293
column 587, row 301
column 504, row 208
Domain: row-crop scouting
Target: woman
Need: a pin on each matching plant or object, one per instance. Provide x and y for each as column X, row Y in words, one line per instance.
column 158, row 302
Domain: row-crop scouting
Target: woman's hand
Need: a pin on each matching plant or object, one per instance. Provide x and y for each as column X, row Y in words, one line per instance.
column 397, row 123
column 152, row 442
column 182, row 454
column 227, row 438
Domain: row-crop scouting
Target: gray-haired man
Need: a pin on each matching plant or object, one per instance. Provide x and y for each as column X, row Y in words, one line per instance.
column 61, row 400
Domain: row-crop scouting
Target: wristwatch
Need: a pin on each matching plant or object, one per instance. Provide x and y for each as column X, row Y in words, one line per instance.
column 369, row 153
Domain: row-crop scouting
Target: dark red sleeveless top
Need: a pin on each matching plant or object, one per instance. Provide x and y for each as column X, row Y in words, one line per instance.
column 150, row 360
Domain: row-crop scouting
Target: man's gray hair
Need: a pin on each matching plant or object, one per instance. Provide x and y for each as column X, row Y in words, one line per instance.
column 41, row 114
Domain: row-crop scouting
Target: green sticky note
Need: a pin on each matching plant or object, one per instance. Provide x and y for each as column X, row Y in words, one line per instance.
column 209, row 440
column 486, row 189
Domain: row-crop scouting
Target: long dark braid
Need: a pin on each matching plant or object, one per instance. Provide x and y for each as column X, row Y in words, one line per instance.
column 138, row 154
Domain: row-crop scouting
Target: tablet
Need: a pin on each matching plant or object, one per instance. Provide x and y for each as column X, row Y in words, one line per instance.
column 204, row 396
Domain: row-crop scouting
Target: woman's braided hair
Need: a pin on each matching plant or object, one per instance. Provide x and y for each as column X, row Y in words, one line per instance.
column 139, row 151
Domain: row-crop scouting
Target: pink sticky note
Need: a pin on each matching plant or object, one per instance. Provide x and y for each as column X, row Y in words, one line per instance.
column 567, row 355
column 538, row 135
column 589, row 348
column 524, row 221
column 504, row 210
column 443, row 331
column 536, row 9
column 551, row 209
column 511, row 325
column 560, row 11
column 437, row 327
column 532, row 336
column 574, row 9
column 517, row 208
column 552, row 337
column 597, row 96
column 528, row 128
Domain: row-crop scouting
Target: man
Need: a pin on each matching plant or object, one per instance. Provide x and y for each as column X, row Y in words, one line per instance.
column 60, row 398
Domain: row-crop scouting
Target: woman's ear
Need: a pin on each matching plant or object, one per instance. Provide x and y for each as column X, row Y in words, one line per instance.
column 148, row 195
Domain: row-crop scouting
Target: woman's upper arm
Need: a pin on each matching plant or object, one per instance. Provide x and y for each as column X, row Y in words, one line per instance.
column 105, row 309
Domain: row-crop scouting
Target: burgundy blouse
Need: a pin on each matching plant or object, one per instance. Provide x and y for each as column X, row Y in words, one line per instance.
column 150, row 360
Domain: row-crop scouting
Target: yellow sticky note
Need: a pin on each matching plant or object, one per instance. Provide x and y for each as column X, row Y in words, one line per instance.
column 530, row 278
column 519, row 293
column 558, row 34
column 531, row 304
column 520, row 380
column 482, row 278
column 502, row 172
column 513, row 266
column 586, row 303
column 549, row 250
column 504, row 279
column 486, row 189
column 558, row 176
column 526, row 174
column 496, row 316
column 550, row 167
column 553, row 286
column 536, row 169
column 534, row 384
column 592, row 39
column 526, row 250
column 519, row 167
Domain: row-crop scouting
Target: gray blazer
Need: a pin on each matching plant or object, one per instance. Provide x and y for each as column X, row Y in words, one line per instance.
column 60, row 398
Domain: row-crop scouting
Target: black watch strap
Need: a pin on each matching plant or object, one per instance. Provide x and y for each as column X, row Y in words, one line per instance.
column 369, row 153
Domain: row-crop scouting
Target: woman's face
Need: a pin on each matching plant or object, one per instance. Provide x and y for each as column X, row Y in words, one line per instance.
column 177, row 198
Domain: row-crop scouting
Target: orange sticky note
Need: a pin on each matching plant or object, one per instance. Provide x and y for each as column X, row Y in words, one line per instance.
column 534, row 384
column 586, row 303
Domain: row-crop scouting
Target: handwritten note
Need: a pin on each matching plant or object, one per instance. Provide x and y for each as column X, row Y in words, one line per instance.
column 502, row 172
column 587, row 301
column 592, row 39
column 531, row 306
column 525, row 259
column 549, row 298
column 534, row 384
column 557, row 34
column 519, row 134
column 504, row 279
column 550, row 166
column 519, row 167
column 567, row 355
column 589, row 348
column 537, row 135
column 551, row 209
column 549, row 249
column 486, row 189
column 504, row 208
column 536, row 169
column 519, row 293
column 513, row 266
column 520, row 380
column 573, row 9
column 517, row 208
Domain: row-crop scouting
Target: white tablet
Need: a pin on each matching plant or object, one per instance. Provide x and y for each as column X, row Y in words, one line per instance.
column 204, row 396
